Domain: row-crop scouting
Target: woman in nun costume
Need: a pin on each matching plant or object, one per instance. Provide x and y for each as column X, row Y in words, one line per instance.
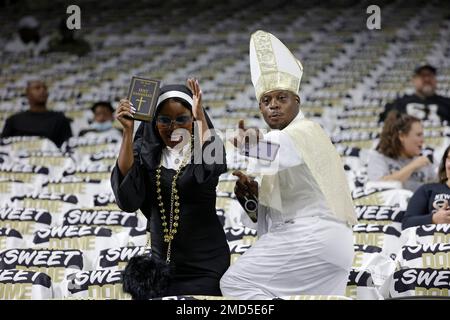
column 166, row 175
column 305, row 210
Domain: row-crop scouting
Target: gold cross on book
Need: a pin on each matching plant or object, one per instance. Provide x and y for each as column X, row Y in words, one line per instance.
column 140, row 100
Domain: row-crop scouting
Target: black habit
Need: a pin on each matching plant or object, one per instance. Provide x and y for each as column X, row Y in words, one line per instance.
column 200, row 253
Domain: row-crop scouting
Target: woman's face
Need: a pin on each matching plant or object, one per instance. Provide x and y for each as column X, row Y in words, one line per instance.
column 447, row 165
column 174, row 124
column 412, row 142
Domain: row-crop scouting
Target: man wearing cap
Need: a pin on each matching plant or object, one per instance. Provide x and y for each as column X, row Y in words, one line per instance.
column 424, row 104
column 304, row 209
column 28, row 39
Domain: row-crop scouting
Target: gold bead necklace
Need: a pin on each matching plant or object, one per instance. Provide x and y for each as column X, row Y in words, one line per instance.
column 170, row 228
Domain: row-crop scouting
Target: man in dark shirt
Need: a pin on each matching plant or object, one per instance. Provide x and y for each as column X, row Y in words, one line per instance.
column 424, row 104
column 66, row 41
column 38, row 121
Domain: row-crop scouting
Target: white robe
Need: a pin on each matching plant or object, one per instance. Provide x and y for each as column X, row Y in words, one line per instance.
column 304, row 250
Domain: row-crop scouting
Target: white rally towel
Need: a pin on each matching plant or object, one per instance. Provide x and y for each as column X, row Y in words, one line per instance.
column 382, row 215
column 11, row 238
column 426, row 234
column 30, row 143
column 93, row 171
column 97, row 284
column 55, row 161
column 10, row 187
column 385, row 237
column 117, row 258
column 53, row 263
column 34, row 176
column 106, row 157
column 90, row 240
column 417, row 282
column 381, row 197
column 241, row 235
column 116, row 220
column 83, row 188
column 137, row 236
column 25, row 285
column 360, row 286
column 25, row 220
column 55, row 203
column 433, row 256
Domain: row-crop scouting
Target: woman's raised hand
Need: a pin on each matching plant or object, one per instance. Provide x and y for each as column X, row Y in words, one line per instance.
column 124, row 110
column 197, row 110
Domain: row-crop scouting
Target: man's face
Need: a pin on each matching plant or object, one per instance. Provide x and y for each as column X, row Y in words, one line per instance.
column 37, row 92
column 279, row 108
column 103, row 114
column 425, row 82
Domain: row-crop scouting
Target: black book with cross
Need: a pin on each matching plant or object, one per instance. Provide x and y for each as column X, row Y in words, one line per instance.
column 143, row 94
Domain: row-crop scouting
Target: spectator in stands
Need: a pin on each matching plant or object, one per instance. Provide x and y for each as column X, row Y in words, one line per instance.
column 398, row 156
column 157, row 175
column 424, row 104
column 66, row 41
column 38, row 121
column 430, row 203
column 103, row 120
column 28, row 38
column 304, row 209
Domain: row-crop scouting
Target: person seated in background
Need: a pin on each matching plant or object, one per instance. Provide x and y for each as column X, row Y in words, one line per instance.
column 398, row 156
column 424, row 104
column 429, row 204
column 28, row 38
column 38, row 120
column 66, row 41
column 103, row 120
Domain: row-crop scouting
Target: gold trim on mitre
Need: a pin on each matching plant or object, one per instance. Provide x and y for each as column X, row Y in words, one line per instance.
column 276, row 81
column 272, row 77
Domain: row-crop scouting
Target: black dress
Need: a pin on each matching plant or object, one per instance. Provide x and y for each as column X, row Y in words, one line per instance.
column 200, row 253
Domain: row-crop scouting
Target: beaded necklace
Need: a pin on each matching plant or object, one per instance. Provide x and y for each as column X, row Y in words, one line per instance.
column 170, row 228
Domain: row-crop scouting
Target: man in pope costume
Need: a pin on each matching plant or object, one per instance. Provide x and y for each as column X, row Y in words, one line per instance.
column 305, row 210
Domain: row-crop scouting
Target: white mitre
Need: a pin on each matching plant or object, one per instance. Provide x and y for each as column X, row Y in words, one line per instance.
column 272, row 65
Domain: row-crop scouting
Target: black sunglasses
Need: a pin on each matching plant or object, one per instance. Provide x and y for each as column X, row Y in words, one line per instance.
column 166, row 122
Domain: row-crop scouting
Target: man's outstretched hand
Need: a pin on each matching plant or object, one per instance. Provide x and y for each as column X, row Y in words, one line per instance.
column 246, row 135
column 245, row 185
